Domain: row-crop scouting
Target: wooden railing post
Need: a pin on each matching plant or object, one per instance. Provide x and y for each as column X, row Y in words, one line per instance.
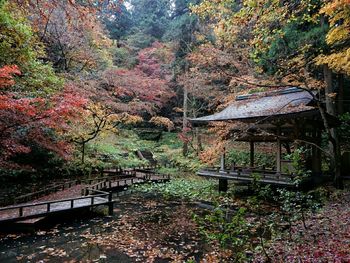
column 20, row 211
column 110, row 204
column 223, row 185
column 72, row 203
column 92, row 200
column 48, row 207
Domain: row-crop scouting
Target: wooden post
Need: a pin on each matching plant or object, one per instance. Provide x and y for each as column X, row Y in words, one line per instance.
column 251, row 154
column 72, row 203
column 223, row 185
column 110, row 204
column 279, row 151
column 222, row 161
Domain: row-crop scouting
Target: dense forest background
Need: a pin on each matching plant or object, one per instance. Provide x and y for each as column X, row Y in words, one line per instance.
column 88, row 83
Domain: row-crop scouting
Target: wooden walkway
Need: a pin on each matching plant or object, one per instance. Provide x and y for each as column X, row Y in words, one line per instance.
column 97, row 194
column 122, row 183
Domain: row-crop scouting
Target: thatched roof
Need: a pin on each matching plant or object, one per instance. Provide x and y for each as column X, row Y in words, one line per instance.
column 279, row 103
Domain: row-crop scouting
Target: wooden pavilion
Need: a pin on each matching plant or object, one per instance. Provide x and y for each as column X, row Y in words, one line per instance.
column 282, row 117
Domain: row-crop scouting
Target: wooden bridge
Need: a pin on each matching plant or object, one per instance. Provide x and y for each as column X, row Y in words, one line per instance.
column 23, row 212
column 97, row 193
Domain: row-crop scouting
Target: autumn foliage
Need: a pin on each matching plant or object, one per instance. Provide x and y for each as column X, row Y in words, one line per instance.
column 6, row 75
column 146, row 87
column 27, row 121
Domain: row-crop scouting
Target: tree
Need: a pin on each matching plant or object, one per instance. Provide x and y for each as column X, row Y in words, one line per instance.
column 337, row 37
column 182, row 31
column 74, row 38
column 118, row 22
column 26, row 121
column 98, row 121
column 145, row 89
column 150, row 17
column 20, row 46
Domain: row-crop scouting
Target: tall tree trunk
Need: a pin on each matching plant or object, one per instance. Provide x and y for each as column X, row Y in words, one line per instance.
column 198, row 140
column 330, row 102
column 184, row 121
column 331, row 109
column 83, row 152
column 340, row 97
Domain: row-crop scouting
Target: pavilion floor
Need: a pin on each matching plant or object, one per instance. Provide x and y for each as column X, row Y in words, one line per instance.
column 248, row 174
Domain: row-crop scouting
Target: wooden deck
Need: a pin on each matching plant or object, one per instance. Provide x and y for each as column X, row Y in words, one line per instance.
column 248, row 175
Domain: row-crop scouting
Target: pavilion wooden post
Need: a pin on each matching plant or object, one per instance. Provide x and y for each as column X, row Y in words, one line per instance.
column 251, row 154
column 222, row 160
column 223, row 183
column 279, row 151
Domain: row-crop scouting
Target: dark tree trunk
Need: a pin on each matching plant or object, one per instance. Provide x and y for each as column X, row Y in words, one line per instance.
column 330, row 102
column 340, row 97
column 332, row 132
column 184, row 122
column 83, row 152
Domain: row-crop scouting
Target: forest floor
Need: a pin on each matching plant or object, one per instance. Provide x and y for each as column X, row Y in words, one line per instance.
column 324, row 238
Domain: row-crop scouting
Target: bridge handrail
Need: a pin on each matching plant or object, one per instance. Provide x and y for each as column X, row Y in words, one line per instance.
column 103, row 194
column 69, row 183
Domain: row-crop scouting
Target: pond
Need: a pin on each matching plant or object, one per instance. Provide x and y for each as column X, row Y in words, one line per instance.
column 144, row 228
